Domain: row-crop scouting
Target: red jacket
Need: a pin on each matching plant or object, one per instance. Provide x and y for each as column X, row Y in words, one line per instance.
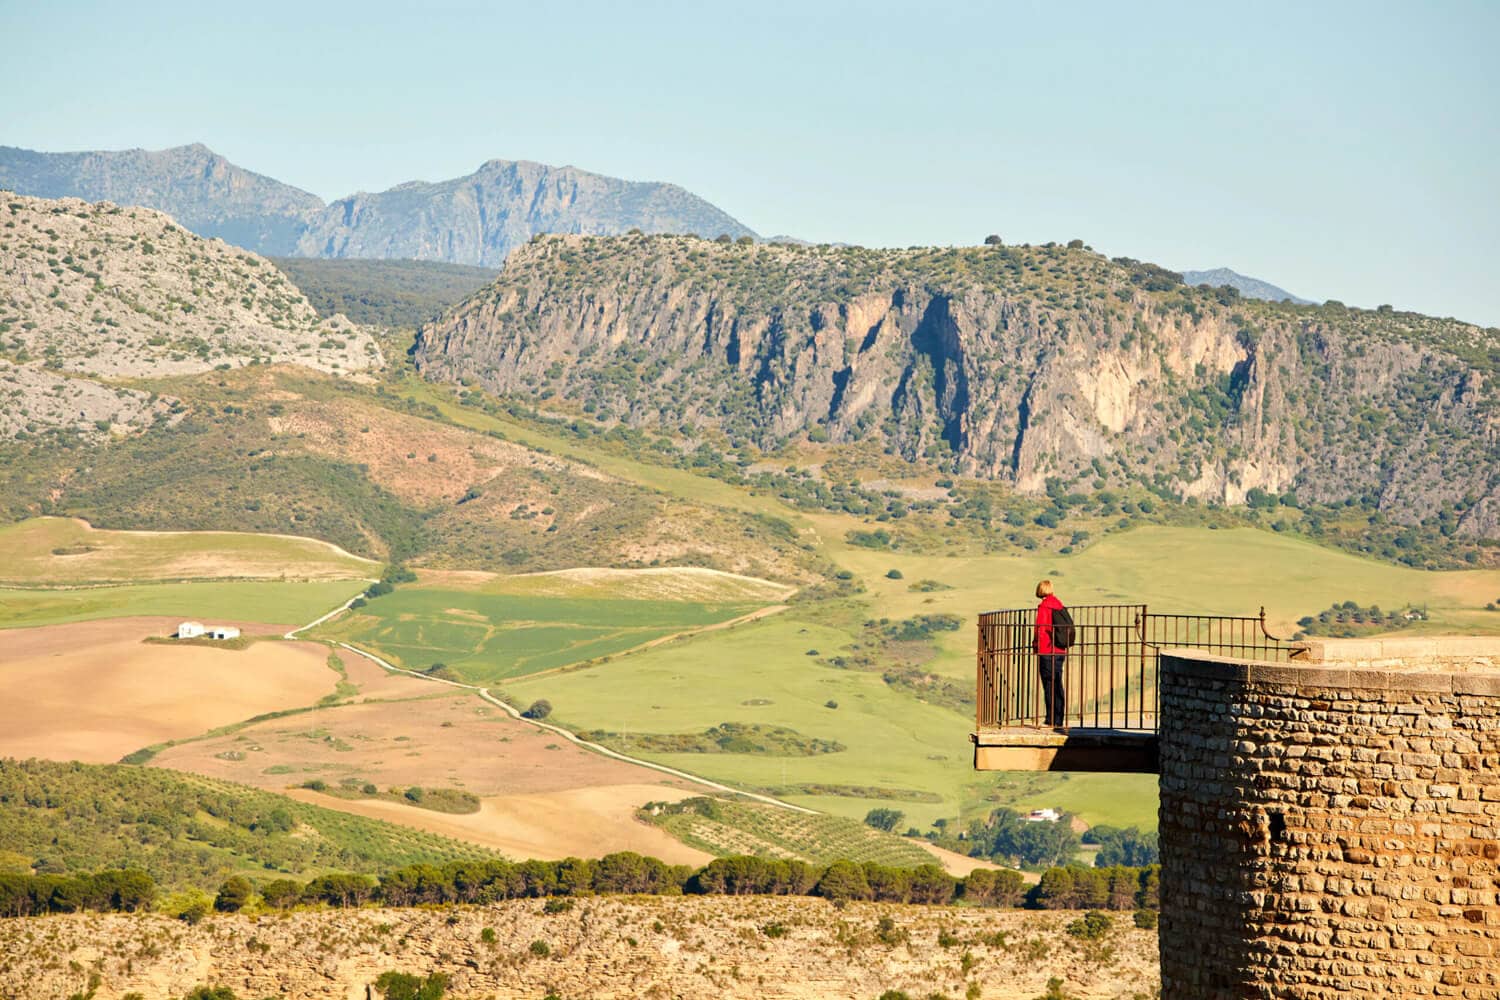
column 1044, row 611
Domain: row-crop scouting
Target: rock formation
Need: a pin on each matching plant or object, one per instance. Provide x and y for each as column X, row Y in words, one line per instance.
column 1018, row 364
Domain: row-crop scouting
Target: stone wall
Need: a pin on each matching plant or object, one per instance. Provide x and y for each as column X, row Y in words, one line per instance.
column 1331, row 829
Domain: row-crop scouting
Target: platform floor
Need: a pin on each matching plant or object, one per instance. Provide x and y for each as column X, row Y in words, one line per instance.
column 1025, row 748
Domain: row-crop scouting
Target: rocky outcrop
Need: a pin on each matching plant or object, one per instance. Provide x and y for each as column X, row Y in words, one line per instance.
column 1017, row 364
column 33, row 401
column 605, row 947
column 95, row 289
column 481, row 218
column 196, row 186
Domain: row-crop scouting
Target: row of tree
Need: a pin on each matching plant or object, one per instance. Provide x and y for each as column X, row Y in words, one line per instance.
column 1074, row 887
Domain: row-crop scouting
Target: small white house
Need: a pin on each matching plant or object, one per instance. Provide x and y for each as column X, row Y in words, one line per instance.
column 190, row 630
column 223, row 632
column 1043, row 816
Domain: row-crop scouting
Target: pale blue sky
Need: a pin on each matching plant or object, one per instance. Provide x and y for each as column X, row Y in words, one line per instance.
column 1341, row 150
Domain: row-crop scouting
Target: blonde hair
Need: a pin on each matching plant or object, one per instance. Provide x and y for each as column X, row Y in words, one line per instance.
column 1044, row 588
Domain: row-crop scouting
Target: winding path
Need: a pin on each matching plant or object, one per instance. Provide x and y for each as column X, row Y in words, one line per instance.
column 566, row 734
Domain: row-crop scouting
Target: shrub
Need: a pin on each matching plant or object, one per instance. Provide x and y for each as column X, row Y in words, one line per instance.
column 539, row 709
column 193, row 912
column 208, row 993
column 233, row 894
column 884, row 819
column 893, row 574
column 1145, row 919
column 1091, row 926
column 487, row 935
column 404, row 986
column 540, row 949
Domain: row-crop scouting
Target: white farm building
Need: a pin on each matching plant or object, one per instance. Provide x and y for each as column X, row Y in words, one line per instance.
column 197, row 630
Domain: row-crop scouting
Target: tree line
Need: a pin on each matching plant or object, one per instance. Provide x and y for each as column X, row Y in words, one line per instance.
column 1072, row 887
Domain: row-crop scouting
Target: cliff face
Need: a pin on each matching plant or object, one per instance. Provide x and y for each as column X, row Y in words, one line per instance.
column 1013, row 364
column 196, row 186
column 480, row 218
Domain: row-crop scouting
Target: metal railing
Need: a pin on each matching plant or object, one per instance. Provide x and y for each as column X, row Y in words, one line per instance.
column 1110, row 671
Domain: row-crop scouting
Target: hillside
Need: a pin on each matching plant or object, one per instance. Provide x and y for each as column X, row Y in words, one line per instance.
column 188, row 830
column 481, row 218
column 100, row 290
column 1042, row 367
column 194, row 185
column 1251, row 288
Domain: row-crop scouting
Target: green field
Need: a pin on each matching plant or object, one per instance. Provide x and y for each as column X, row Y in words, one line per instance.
column 60, row 550
column 273, row 603
column 485, row 637
column 762, row 672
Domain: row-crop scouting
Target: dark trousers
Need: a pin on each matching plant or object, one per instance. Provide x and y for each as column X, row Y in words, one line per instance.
column 1050, row 666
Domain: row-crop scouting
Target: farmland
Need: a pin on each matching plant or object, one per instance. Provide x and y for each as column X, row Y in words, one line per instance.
column 766, row 672
column 485, row 636
column 96, row 692
column 59, row 551
column 288, row 604
column 724, row 827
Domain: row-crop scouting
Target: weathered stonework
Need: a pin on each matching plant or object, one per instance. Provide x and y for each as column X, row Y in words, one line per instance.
column 1332, row 828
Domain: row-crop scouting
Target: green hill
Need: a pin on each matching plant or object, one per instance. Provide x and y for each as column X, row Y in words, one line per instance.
column 188, row 830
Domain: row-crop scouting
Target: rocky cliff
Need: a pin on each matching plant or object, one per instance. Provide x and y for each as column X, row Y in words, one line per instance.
column 1017, row 364
column 481, row 218
column 196, row 186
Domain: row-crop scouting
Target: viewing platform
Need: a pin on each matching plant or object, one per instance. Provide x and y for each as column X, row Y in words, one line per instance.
column 1110, row 692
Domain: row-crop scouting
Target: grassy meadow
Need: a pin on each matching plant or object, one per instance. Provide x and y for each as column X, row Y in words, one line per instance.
column 57, row 551
column 270, row 602
column 762, row 672
column 485, row 636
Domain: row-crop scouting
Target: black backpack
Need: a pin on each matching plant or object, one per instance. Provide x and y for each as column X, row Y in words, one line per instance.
column 1063, row 630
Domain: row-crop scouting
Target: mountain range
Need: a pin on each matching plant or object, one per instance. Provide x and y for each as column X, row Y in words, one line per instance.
column 478, row 219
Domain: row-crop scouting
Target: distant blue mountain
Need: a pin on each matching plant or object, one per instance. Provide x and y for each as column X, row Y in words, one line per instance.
column 1251, row 288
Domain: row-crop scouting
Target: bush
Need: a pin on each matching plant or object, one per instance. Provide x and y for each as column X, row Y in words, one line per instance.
column 193, row 912
column 208, row 993
column 540, row 949
column 539, row 709
column 233, row 894
column 893, row 574
column 1091, row 926
column 1145, row 919
column 884, row 819
column 404, row 986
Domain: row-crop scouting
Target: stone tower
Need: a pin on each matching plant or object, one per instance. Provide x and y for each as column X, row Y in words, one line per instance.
column 1331, row 828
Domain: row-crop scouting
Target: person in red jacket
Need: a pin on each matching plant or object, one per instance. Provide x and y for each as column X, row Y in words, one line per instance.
column 1049, row 658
